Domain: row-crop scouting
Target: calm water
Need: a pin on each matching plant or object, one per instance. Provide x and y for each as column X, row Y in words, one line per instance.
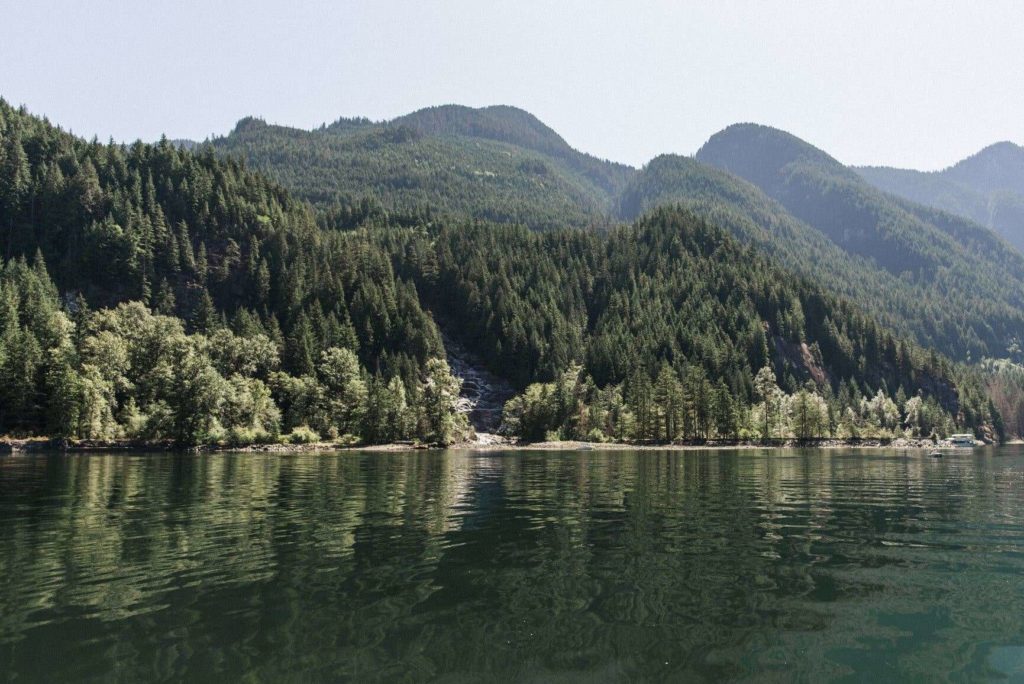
column 529, row 566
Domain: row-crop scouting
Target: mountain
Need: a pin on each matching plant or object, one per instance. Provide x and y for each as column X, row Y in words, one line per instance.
column 501, row 123
column 972, row 281
column 187, row 231
column 670, row 287
column 902, row 263
column 149, row 291
column 522, row 129
column 987, row 188
column 998, row 167
column 942, row 319
column 496, row 163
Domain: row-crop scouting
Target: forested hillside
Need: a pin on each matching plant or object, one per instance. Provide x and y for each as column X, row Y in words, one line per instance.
column 941, row 317
column 498, row 164
column 670, row 297
column 670, row 287
column 987, row 188
column 519, row 128
column 208, row 249
column 153, row 292
column 973, row 280
column 948, row 284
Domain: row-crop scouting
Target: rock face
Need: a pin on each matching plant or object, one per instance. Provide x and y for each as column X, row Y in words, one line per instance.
column 801, row 360
column 483, row 394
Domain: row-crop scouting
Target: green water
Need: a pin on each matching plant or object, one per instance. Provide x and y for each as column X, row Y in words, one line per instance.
column 527, row 566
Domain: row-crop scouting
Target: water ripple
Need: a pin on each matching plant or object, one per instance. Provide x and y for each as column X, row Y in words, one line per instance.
column 525, row 566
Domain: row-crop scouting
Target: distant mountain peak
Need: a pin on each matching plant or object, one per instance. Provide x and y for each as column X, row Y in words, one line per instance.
column 998, row 167
column 766, row 140
column 502, row 123
column 1004, row 152
column 758, row 153
column 1003, row 147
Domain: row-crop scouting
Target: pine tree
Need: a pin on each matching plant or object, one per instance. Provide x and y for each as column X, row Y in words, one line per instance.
column 15, row 177
column 165, row 303
column 642, row 405
column 724, row 411
column 63, row 391
column 205, row 318
column 346, row 390
column 440, row 395
column 668, row 395
column 769, row 394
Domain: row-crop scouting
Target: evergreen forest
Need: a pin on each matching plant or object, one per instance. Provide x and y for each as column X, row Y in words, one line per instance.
column 279, row 285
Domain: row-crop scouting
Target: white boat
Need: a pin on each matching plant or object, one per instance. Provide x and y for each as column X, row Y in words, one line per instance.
column 964, row 439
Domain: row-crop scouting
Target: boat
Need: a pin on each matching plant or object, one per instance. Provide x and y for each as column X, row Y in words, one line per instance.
column 935, row 454
column 963, row 439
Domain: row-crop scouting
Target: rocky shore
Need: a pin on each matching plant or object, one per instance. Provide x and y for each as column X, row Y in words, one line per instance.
column 484, row 442
column 866, row 443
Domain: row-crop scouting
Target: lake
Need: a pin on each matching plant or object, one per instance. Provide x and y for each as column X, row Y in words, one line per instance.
column 528, row 566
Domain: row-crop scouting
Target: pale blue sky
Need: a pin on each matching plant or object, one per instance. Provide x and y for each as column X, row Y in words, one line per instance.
column 917, row 84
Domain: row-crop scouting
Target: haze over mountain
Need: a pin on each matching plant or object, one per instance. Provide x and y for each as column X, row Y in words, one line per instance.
column 987, row 187
column 962, row 265
column 415, row 225
column 496, row 163
column 237, row 317
column 918, row 270
column 933, row 316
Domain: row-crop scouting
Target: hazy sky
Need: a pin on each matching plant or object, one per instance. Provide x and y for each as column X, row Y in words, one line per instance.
column 918, row 84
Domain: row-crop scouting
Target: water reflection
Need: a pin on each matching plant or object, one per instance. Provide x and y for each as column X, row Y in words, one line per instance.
column 513, row 566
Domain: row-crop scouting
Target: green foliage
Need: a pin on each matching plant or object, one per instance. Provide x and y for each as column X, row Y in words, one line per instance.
column 301, row 434
column 968, row 284
column 441, row 422
column 205, row 240
column 196, row 301
column 127, row 373
column 498, row 164
column 1004, row 387
column 987, row 188
column 389, row 415
column 344, row 390
column 664, row 409
column 927, row 312
column 808, row 414
column 671, row 288
column 921, row 275
column 770, row 401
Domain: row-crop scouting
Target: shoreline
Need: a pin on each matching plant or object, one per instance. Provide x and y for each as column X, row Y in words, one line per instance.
column 9, row 445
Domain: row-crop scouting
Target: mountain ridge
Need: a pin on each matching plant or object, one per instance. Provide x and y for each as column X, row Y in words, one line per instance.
column 232, row 258
column 986, row 187
column 905, row 263
column 458, row 160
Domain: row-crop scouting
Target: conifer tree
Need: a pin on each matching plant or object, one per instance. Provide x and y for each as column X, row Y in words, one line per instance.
column 440, row 394
column 769, row 394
